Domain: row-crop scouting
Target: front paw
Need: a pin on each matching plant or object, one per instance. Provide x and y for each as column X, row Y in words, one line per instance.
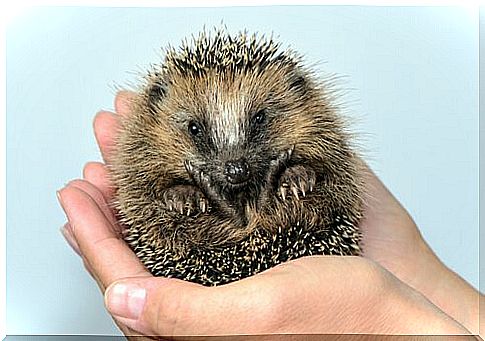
column 185, row 199
column 296, row 181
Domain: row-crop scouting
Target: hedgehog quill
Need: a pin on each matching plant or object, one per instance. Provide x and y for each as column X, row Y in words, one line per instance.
column 234, row 160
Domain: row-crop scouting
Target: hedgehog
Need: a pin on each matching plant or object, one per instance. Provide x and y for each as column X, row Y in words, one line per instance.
column 235, row 159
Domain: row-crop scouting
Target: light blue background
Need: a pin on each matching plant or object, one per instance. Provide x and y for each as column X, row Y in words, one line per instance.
column 412, row 81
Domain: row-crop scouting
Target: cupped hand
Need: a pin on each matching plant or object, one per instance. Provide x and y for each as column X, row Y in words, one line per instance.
column 309, row 295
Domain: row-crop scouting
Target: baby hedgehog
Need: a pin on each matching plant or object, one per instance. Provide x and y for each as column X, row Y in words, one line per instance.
column 234, row 160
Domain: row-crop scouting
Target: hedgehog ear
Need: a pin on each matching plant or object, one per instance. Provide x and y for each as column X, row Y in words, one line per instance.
column 298, row 82
column 156, row 92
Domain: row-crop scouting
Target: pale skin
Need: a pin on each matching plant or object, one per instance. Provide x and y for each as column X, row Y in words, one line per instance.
column 399, row 286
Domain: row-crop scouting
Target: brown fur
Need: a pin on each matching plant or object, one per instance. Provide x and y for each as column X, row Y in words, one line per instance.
column 302, row 168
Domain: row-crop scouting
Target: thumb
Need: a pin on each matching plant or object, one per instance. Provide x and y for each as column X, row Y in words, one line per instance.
column 151, row 306
column 156, row 306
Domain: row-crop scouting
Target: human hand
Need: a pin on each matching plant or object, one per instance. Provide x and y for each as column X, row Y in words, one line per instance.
column 90, row 208
column 309, row 295
column 392, row 239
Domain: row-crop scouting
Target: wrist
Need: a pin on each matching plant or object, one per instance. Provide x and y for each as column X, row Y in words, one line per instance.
column 445, row 289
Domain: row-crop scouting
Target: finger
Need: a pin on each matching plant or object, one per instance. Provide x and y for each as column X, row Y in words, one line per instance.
column 124, row 101
column 170, row 307
column 126, row 301
column 129, row 333
column 105, row 127
column 97, row 174
column 66, row 232
column 109, row 257
column 98, row 197
column 106, row 123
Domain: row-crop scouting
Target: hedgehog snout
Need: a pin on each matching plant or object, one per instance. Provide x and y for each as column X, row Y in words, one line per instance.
column 237, row 171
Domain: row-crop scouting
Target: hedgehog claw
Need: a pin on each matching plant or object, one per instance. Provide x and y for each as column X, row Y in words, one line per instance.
column 186, row 200
column 202, row 205
column 188, row 166
column 283, row 193
column 290, row 152
column 302, row 187
column 298, row 180
column 203, row 178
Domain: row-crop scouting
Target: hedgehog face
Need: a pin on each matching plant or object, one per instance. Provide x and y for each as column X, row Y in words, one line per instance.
column 229, row 113
column 227, row 121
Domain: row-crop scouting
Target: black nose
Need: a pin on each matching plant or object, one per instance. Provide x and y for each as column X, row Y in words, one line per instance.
column 236, row 171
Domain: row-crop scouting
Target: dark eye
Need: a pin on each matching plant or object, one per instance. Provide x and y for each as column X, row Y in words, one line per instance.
column 259, row 117
column 194, row 128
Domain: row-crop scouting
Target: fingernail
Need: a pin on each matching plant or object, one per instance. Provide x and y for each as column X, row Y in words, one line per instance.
column 66, row 232
column 58, row 193
column 125, row 300
column 59, row 199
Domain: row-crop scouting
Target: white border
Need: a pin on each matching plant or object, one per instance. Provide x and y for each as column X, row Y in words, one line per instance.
column 3, row 183
column 8, row 14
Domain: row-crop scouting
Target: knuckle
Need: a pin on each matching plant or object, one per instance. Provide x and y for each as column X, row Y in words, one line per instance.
column 374, row 278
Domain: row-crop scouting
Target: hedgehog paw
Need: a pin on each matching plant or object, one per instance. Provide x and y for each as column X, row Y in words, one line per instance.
column 186, row 200
column 281, row 160
column 296, row 181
